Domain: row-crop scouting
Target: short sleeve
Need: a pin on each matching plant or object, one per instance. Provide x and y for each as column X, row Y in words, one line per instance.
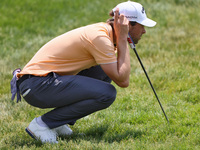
column 103, row 49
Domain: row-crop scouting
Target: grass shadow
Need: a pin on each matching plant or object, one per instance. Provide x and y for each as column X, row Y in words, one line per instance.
column 95, row 134
column 102, row 133
column 19, row 141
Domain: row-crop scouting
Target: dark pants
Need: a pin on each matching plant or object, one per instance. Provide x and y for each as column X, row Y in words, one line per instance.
column 71, row 96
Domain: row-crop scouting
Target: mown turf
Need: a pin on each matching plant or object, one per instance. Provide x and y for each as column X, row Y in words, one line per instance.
column 169, row 52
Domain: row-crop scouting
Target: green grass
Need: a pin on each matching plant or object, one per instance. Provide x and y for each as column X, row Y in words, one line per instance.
column 169, row 52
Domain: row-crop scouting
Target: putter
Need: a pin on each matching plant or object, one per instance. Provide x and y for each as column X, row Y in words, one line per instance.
column 132, row 45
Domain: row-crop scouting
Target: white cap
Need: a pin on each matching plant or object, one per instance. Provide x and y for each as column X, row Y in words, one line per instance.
column 135, row 12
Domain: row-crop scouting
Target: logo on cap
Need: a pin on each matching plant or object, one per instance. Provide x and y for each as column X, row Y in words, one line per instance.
column 143, row 10
column 131, row 17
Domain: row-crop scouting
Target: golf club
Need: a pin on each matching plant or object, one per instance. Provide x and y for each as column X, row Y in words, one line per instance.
column 132, row 45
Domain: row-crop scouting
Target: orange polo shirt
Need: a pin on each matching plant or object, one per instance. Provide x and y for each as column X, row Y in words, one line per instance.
column 74, row 51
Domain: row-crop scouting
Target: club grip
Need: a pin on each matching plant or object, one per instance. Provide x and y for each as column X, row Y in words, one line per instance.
column 130, row 41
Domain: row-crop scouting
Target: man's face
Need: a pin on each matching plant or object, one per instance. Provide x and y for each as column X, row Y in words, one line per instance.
column 136, row 32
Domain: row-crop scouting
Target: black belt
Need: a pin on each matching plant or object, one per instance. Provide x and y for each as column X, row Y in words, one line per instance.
column 24, row 77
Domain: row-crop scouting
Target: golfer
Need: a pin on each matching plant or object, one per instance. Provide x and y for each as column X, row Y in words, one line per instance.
column 72, row 73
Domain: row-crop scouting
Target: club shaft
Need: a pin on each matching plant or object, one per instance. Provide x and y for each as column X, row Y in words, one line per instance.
column 133, row 47
column 150, row 83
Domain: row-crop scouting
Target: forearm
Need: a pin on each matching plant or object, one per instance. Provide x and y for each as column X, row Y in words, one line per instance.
column 123, row 61
column 119, row 72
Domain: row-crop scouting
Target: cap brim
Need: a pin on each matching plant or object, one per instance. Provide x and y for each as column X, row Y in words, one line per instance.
column 148, row 22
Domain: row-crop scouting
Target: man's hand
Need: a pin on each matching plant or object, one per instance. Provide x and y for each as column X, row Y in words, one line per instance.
column 121, row 26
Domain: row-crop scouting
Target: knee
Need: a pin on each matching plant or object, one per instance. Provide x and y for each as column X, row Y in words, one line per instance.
column 109, row 95
column 112, row 93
